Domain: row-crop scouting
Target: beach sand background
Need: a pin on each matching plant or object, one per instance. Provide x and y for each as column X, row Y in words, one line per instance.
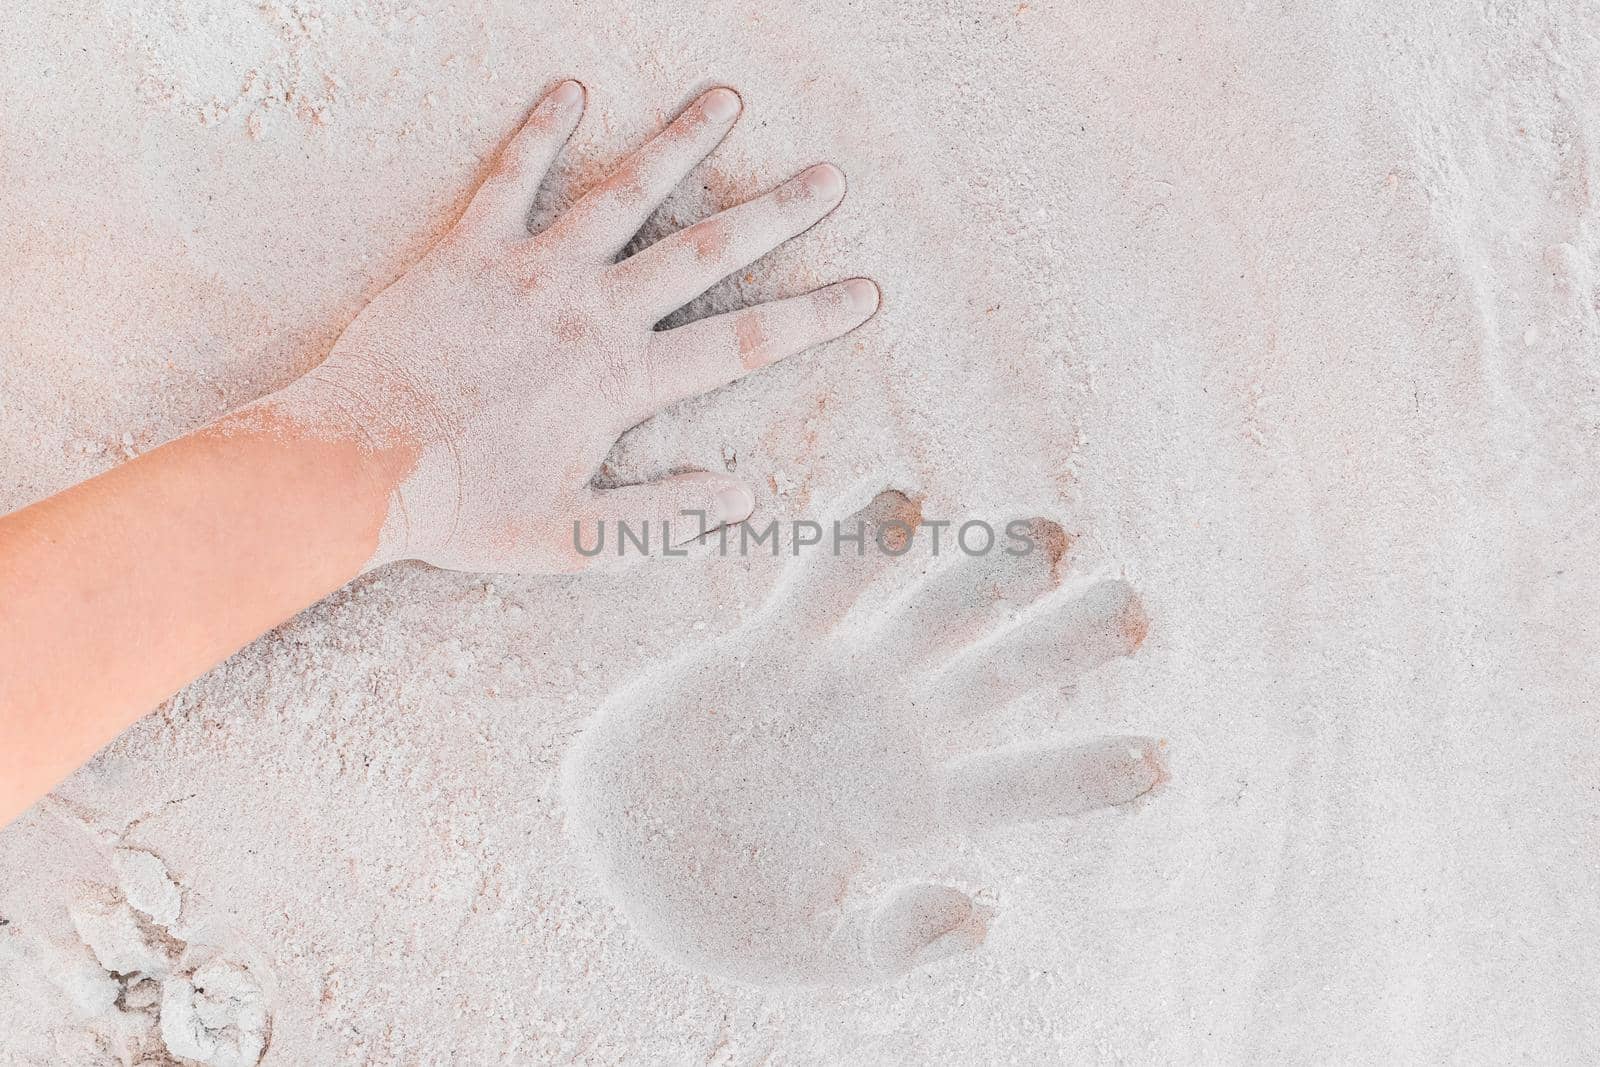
column 1286, row 312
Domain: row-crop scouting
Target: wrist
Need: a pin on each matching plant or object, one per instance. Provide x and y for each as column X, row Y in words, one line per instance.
column 348, row 463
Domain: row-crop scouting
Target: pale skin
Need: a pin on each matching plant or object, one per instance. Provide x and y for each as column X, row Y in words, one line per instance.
column 459, row 420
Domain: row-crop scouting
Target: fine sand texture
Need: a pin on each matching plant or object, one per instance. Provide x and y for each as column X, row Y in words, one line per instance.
column 1278, row 322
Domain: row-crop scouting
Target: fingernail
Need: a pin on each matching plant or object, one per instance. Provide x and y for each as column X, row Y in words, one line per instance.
column 720, row 105
column 863, row 295
column 735, row 502
column 825, row 180
column 568, row 94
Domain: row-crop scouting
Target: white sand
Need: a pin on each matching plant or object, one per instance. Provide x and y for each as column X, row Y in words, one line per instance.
column 1286, row 313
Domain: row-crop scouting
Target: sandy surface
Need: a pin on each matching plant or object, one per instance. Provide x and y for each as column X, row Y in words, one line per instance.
column 1286, row 312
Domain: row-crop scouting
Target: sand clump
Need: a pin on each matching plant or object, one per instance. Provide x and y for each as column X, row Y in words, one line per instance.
column 157, row 987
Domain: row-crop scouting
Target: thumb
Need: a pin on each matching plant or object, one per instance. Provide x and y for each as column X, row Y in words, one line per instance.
column 907, row 927
column 659, row 518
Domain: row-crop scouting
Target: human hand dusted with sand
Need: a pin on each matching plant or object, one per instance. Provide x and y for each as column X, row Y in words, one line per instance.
column 503, row 366
column 757, row 833
column 458, row 420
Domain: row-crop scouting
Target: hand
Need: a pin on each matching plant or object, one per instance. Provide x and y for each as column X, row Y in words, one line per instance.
column 736, row 823
column 495, row 375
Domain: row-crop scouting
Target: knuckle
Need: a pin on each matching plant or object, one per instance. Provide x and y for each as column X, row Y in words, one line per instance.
column 709, row 240
column 509, row 169
column 627, row 186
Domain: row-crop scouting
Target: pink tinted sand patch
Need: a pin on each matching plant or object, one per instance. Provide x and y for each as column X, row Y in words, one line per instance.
column 570, row 326
column 710, row 240
column 752, row 339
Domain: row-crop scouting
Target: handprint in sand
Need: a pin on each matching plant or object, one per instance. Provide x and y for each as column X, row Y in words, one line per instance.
column 731, row 801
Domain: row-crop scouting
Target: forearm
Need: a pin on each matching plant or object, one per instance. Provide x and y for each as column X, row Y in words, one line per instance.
column 118, row 591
